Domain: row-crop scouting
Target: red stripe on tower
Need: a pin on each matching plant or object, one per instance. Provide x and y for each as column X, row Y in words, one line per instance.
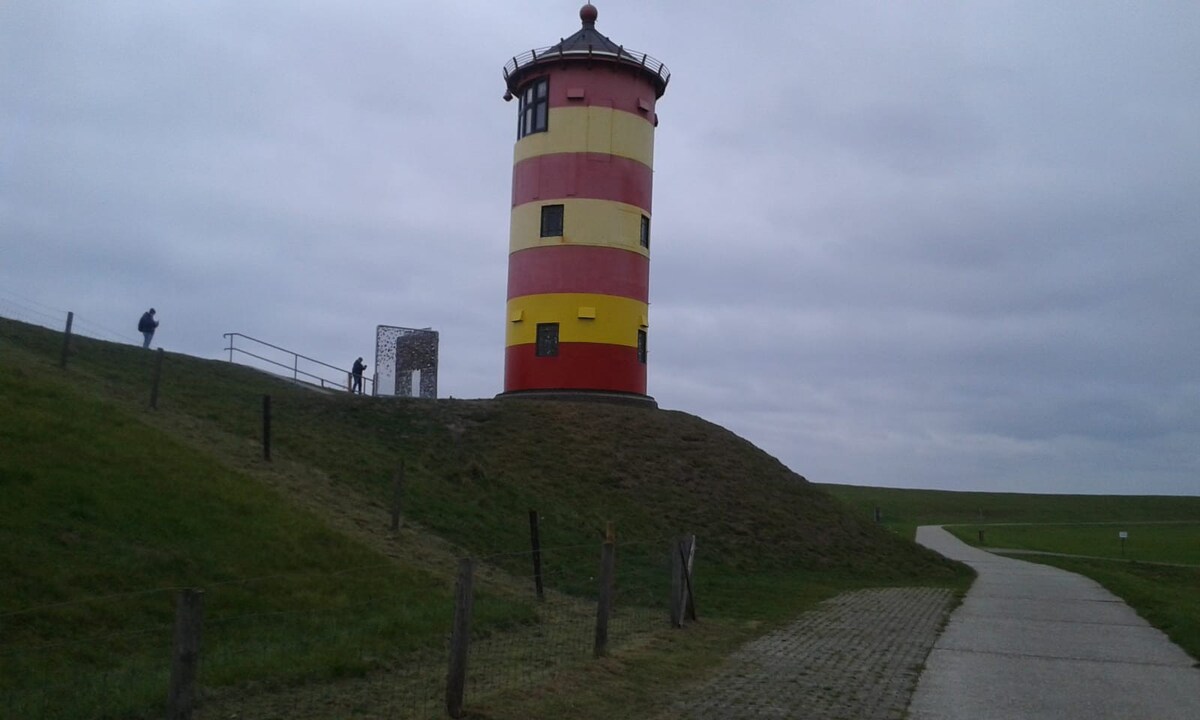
column 579, row 269
column 578, row 366
column 580, row 86
column 598, row 176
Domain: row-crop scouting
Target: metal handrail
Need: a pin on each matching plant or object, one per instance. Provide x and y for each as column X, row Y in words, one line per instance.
column 635, row 57
column 310, row 378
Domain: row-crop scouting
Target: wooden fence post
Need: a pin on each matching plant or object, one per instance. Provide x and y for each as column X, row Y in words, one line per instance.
column 266, row 433
column 397, row 496
column 676, row 585
column 460, row 638
column 185, row 654
column 683, row 600
column 605, row 604
column 688, row 561
column 66, row 346
column 158, row 361
column 536, row 542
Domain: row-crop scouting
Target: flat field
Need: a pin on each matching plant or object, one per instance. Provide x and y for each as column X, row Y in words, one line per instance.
column 903, row 509
column 1158, row 574
column 1166, row 542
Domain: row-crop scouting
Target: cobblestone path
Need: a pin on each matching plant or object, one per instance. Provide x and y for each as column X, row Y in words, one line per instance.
column 856, row 656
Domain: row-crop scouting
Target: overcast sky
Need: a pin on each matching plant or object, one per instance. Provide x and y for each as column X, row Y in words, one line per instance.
column 917, row 244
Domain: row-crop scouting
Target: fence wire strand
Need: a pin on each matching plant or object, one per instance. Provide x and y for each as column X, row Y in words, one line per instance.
column 19, row 307
column 356, row 657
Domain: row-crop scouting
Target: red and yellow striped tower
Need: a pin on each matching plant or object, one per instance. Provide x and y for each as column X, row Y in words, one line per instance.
column 579, row 244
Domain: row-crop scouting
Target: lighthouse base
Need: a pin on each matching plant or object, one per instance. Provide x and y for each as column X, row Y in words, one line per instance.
column 604, row 396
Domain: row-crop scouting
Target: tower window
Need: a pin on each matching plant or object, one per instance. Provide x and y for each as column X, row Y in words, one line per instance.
column 642, row 346
column 645, row 232
column 534, row 108
column 547, row 339
column 552, row 220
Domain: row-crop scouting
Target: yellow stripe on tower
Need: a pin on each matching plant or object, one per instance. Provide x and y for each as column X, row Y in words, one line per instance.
column 591, row 129
column 614, row 321
column 603, row 223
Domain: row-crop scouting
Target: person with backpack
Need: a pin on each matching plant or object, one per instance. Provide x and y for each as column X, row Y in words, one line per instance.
column 146, row 327
column 356, row 372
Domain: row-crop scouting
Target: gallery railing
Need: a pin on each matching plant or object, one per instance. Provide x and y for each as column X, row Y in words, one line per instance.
column 623, row 55
column 301, row 368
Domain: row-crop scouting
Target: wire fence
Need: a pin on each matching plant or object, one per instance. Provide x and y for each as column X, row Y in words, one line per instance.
column 561, row 631
column 275, row 360
column 19, row 307
column 335, row 644
column 360, row 641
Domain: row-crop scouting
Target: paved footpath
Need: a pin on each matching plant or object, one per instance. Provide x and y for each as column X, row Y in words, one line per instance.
column 1032, row 641
column 856, row 656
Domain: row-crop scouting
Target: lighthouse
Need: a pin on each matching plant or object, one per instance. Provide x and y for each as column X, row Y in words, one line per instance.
column 577, row 317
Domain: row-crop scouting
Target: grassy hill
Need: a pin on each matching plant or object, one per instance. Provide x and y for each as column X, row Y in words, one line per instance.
column 110, row 506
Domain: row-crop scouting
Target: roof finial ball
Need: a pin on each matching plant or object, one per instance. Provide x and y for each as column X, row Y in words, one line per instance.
column 588, row 14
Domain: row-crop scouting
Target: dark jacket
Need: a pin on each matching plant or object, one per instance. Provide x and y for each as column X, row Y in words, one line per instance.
column 147, row 323
column 358, row 368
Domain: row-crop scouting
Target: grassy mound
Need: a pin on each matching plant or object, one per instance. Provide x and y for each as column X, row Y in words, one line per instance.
column 107, row 497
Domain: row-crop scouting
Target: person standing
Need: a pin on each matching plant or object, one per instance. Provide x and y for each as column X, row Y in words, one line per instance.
column 146, row 327
column 356, row 371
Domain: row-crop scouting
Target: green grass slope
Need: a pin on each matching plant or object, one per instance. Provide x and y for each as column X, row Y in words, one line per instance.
column 105, row 497
column 97, row 502
column 104, row 516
